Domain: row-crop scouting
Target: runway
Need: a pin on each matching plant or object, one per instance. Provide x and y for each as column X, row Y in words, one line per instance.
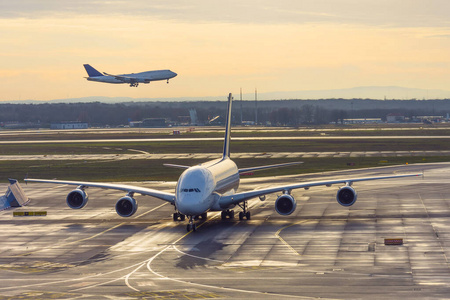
column 199, row 139
column 322, row 250
column 210, row 156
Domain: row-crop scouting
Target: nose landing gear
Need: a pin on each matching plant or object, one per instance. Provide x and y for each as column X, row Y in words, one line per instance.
column 191, row 225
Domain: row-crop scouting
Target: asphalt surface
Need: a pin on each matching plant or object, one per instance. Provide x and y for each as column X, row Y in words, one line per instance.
column 197, row 139
column 210, row 156
column 322, row 250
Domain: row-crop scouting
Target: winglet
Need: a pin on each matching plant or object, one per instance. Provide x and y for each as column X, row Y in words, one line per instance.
column 91, row 71
column 226, row 144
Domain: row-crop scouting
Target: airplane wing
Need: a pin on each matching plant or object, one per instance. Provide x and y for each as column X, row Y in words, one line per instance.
column 125, row 79
column 225, row 201
column 169, row 197
column 244, row 170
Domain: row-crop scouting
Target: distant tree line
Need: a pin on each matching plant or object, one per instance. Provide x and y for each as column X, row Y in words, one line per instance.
column 275, row 112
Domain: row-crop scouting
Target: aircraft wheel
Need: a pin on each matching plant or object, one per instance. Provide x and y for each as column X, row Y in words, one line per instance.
column 223, row 215
column 190, row 227
column 231, row 214
column 247, row 215
column 175, row 217
column 182, row 217
column 241, row 216
column 204, row 216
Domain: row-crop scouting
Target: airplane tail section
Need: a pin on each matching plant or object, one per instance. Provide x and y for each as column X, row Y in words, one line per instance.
column 91, row 71
column 226, row 144
column 14, row 196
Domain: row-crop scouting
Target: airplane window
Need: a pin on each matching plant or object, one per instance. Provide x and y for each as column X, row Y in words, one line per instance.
column 191, row 190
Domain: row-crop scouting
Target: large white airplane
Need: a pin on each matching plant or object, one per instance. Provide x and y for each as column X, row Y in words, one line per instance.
column 133, row 79
column 212, row 186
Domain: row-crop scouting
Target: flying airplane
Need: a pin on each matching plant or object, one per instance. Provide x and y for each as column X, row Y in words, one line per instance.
column 133, row 79
column 212, row 186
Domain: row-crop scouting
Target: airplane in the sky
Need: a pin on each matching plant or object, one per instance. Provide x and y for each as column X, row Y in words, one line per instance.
column 212, row 186
column 133, row 79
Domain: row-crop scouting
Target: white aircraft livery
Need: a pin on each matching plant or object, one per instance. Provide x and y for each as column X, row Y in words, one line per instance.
column 132, row 79
column 212, row 186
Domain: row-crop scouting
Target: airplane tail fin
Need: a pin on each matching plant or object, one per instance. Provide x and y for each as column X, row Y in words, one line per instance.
column 91, row 71
column 226, row 144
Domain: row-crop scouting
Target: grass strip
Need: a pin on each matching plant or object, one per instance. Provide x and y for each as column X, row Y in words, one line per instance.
column 144, row 170
column 196, row 146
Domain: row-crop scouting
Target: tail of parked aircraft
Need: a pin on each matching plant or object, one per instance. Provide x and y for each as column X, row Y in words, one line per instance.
column 226, row 144
column 91, row 71
column 14, row 196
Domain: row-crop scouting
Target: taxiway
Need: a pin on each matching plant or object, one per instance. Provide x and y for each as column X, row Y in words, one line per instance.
column 322, row 250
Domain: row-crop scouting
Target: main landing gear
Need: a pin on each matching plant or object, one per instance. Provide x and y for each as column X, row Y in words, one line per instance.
column 134, row 84
column 178, row 217
column 244, row 213
column 230, row 213
column 203, row 216
column 227, row 214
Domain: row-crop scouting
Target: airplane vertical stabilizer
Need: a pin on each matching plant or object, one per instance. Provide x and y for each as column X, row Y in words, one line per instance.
column 91, row 71
column 226, row 144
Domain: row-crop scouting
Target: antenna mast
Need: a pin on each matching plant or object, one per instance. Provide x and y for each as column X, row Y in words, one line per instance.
column 241, row 106
column 256, row 107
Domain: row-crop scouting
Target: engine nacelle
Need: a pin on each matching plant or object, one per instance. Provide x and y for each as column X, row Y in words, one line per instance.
column 346, row 196
column 77, row 199
column 126, row 206
column 285, row 204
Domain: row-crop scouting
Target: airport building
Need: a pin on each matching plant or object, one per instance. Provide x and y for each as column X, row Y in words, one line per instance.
column 69, row 125
column 395, row 118
column 149, row 123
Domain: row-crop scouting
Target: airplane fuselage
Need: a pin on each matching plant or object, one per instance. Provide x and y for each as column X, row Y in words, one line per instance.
column 199, row 188
column 143, row 77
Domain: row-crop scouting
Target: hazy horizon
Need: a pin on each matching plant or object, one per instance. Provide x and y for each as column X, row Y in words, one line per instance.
column 373, row 93
column 217, row 47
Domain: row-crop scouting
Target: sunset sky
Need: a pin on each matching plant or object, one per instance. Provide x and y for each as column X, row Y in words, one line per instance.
column 217, row 47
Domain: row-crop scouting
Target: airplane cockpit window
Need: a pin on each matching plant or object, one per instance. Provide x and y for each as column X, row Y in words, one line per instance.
column 196, row 190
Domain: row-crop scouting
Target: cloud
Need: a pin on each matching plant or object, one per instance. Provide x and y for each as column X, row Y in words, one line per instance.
column 431, row 13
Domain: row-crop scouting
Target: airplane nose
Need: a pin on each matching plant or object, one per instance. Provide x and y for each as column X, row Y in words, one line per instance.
column 191, row 206
column 173, row 74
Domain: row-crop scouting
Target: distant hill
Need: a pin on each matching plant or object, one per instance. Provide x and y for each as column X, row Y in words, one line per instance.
column 364, row 92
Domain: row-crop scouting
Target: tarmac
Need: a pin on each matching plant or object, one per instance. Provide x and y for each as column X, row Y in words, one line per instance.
column 208, row 156
column 322, row 250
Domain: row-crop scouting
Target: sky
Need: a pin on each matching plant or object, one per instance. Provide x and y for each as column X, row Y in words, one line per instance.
column 217, row 47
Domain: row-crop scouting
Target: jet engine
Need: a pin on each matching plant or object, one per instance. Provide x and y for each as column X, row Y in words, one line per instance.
column 285, row 204
column 346, row 196
column 77, row 199
column 126, row 206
